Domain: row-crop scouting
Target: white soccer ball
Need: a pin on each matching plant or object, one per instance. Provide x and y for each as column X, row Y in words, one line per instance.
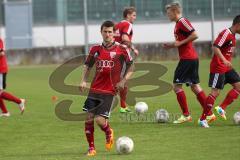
column 141, row 107
column 162, row 116
column 124, row 145
column 236, row 118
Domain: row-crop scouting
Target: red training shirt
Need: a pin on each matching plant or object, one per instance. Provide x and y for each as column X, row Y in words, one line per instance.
column 183, row 29
column 109, row 66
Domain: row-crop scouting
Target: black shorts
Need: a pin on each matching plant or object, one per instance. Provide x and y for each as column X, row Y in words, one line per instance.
column 99, row 104
column 187, row 72
column 218, row 80
column 3, row 79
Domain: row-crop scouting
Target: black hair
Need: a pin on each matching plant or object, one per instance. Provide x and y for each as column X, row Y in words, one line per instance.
column 107, row 24
column 236, row 20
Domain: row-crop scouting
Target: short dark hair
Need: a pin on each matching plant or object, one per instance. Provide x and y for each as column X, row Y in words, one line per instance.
column 107, row 24
column 236, row 20
column 174, row 6
column 128, row 10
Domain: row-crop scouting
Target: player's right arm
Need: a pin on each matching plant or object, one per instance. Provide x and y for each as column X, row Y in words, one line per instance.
column 218, row 43
column 90, row 61
column 218, row 53
column 126, row 31
column 85, row 75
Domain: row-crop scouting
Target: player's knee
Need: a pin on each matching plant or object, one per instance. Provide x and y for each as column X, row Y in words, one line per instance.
column 237, row 87
column 100, row 120
column 196, row 88
column 177, row 88
column 215, row 93
column 89, row 118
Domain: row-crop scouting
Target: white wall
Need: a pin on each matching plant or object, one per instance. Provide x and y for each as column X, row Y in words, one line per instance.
column 143, row 33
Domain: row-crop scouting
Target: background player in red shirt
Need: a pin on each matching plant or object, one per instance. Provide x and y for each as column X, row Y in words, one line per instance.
column 3, row 94
column 187, row 69
column 221, row 71
column 123, row 34
column 108, row 59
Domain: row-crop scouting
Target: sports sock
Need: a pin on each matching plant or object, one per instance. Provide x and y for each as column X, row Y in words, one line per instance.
column 107, row 129
column 123, row 97
column 208, row 106
column 89, row 132
column 231, row 96
column 10, row 97
column 201, row 97
column 182, row 100
column 2, row 106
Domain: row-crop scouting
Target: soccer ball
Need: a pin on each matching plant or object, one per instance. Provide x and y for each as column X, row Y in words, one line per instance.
column 141, row 107
column 236, row 118
column 124, row 145
column 162, row 116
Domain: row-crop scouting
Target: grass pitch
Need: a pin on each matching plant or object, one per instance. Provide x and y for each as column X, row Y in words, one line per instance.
column 40, row 135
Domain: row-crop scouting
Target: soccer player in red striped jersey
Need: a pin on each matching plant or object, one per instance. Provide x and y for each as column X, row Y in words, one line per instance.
column 123, row 35
column 222, row 72
column 187, row 69
column 108, row 58
column 3, row 94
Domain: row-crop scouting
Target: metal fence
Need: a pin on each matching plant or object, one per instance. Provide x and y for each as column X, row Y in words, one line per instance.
column 54, row 12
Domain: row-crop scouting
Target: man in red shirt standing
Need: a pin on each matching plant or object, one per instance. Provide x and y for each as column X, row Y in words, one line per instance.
column 3, row 94
column 221, row 71
column 108, row 58
column 187, row 69
column 123, row 35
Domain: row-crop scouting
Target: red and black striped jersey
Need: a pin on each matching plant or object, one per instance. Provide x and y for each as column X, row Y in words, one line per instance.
column 123, row 27
column 183, row 29
column 226, row 42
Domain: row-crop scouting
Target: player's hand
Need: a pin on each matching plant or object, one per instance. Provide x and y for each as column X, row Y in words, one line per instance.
column 82, row 86
column 120, row 85
column 177, row 44
column 135, row 51
column 2, row 53
column 167, row 45
column 227, row 63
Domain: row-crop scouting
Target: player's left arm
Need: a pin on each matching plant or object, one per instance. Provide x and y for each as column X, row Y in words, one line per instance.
column 129, row 68
column 193, row 36
column 129, row 73
column 126, row 41
column 2, row 53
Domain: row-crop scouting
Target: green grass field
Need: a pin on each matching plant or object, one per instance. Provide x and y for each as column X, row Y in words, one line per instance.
column 40, row 135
